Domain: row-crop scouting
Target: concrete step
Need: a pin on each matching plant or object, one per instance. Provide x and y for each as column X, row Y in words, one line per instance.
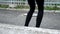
column 13, row 29
column 57, row 11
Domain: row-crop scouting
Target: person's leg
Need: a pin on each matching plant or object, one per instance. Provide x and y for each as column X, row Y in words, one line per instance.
column 40, row 4
column 29, row 15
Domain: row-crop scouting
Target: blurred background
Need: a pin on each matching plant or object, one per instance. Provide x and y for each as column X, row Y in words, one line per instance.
column 22, row 4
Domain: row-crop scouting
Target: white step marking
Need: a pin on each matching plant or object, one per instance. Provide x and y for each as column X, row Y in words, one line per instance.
column 34, row 15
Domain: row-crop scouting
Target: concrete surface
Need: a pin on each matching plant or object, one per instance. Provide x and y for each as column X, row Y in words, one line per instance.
column 16, row 17
column 13, row 29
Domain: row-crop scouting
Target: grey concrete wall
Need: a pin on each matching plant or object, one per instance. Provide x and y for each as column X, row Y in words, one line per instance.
column 12, row 29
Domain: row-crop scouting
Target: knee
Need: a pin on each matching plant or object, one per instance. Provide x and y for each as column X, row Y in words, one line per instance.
column 32, row 7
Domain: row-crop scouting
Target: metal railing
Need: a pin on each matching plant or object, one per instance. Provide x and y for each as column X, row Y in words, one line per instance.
column 25, row 2
column 14, row 2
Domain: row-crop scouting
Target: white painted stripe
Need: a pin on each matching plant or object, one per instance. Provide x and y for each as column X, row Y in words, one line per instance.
column 12, row 29
column 34, row 15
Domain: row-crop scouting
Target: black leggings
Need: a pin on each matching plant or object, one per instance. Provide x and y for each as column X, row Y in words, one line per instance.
column 40, row 4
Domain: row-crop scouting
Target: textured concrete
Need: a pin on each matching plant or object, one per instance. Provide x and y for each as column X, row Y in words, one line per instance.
column 12, row 29
column 16, row 17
